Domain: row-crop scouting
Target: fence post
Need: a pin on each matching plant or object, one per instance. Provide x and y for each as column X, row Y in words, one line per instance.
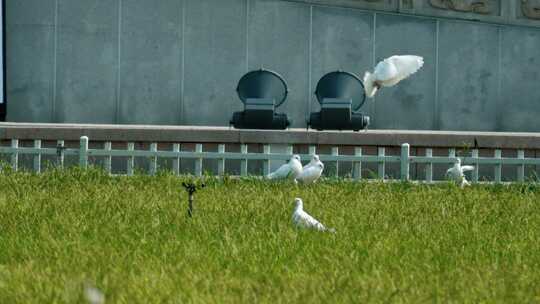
column 130, row 159
column 521, row 167
column 498, row 167
column 429, row 166
column 266, row 162
column 243, row 162
column 452, row 154
column 176, row 160
column 108, row 159
column 357, row 165
column 83, row 152
column 221, row 161
column 476, row 169
column 60, row 153
column 335, row 152
column 198, row 161
column 290, row 150
column 153, row 159
column 37, row 156
column 404, row 160
column 14, row 154
column 381, row 153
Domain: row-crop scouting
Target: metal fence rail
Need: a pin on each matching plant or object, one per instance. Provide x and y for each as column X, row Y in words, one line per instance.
column 176, row 154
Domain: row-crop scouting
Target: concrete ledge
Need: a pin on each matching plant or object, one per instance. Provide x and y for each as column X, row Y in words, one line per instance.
column 200, row 134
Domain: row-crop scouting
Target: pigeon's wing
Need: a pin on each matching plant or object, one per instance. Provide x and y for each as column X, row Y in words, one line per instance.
column 406, row 65
column 295, row 169
column 453, row 173
column 385, row 71
column 310, row 174
column 307, row 166
column 311, row 222
column 281, row 172
column 307, row 172
column 467, row 168
column 303, row 219
column 310, row 164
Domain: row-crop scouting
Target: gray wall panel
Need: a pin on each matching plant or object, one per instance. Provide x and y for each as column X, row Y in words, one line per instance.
column 520, row 82
column 178, row 61
column 342, row 40
column 151, row 61
column 215, row 59
column 415, row 96
column 30, row 60
column 87, row 61
column 278, row 39
column 468, row 76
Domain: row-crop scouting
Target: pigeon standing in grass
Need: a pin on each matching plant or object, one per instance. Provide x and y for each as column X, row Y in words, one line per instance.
column 390, row 71
column 303, row 219
column 456, row 173
column 311, row 174
column 93, row 295
column 312, row 171
column 314, row 160
column 291, row 169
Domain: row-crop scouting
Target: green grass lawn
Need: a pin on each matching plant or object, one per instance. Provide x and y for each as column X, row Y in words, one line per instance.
column 395, row 243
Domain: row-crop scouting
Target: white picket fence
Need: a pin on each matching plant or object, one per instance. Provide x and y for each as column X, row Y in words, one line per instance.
column 405, row 159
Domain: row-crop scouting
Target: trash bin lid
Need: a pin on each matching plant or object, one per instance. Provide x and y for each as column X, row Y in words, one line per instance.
column 262, row 84
column 342, row 85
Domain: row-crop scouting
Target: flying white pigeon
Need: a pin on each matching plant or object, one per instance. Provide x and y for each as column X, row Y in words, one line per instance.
column 456, row 173
column 291, row 169
column 390, row 71
column 303, row 219
column 312, row 171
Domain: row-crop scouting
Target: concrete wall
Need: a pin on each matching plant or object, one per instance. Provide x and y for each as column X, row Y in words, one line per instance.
column 178, row 61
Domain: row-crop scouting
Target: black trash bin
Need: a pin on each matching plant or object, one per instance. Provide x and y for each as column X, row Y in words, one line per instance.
column 261, row 91
column 340, row 94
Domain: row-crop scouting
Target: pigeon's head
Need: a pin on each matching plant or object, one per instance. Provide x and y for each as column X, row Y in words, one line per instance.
column 457, row 161
column 315, row 158
column 298, row 202
column 296, row 156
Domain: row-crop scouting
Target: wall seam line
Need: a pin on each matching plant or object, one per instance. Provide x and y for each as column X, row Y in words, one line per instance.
column 247, row 35
column 374, row 62
column 183, row 63
column 310, row 62
column 499, row 80
column 119, row 64
column 436, row 116
column 55, row 59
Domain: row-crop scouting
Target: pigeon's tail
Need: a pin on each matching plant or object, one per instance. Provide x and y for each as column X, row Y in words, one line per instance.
column 271, row 176
column 369, row 84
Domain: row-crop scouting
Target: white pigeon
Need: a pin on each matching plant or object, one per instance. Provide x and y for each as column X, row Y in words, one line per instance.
column 291, row 169
column 312, row 171
column 302, row 219
column 314, row 160
column 456, row 173
column 93, row 295
column 390, row 71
